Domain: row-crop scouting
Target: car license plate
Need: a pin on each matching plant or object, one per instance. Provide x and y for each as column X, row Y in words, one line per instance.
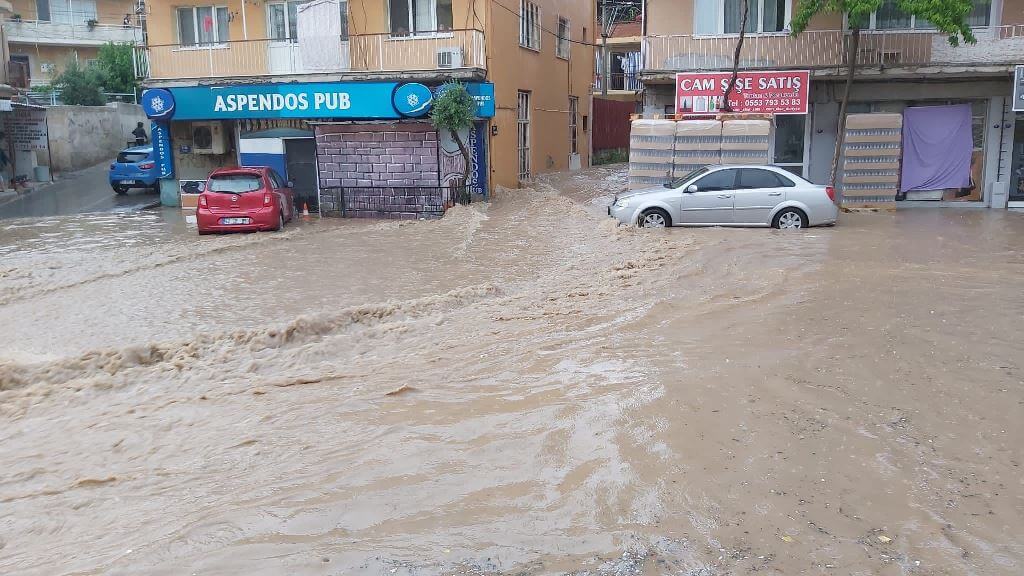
column 234, row 220
column 129, row 182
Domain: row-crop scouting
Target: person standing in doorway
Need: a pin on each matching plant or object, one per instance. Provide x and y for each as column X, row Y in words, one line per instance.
column 140, row 135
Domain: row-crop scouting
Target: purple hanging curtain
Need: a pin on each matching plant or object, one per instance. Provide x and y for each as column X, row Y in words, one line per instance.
column 937, row 146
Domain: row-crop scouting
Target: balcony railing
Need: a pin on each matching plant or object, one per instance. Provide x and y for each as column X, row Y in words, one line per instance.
column 43, row 32
column 443, row 50
column 827, row 48
column 628, row 81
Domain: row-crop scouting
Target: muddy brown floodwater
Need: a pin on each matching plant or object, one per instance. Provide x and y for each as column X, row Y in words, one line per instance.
column 518, row 388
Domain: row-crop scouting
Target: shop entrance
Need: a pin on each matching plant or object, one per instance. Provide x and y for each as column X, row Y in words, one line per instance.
column 300, row 161
column 1017, row 165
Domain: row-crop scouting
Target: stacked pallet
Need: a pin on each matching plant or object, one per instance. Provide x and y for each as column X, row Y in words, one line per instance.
column 651, row 144
column 871, row 165
column 745, row 141
column 698, row 143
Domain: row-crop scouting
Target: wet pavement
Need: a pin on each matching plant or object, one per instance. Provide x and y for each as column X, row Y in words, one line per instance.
column 86, row 191
column 518, row 388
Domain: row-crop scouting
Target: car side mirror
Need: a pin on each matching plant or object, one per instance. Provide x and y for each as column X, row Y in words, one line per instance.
column 289, row 184
column 691, row 189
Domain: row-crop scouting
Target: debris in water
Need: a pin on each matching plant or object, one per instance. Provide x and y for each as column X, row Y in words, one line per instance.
column 884, row 539
column 786, row 538
column 401, row 390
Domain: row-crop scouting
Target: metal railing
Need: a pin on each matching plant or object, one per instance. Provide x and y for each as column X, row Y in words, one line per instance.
column 619, row 81
column 827, row 48
column 391, row 201
column 449, row 49
column 53, row 97
column 42, row 30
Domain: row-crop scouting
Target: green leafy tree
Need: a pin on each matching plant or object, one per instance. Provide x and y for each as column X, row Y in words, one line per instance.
column 81, row 86
column 948, row 17
column 453, row 111
column 115, row 61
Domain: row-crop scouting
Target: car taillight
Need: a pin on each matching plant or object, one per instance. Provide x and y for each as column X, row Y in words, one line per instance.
column 202, row 200
column 831, row 193
column 266, row 199
column 146, row 165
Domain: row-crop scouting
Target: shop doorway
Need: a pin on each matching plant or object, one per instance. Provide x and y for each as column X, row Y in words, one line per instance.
column 300, row 162
column 1017, row 165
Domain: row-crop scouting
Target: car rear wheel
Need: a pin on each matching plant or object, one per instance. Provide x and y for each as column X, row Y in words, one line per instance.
column 654, row 218
column 790, row 219
column 280, row 221
column 120, row 189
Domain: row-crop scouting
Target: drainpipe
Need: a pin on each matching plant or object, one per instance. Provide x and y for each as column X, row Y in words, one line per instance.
column 245, row 29
column 605, row 66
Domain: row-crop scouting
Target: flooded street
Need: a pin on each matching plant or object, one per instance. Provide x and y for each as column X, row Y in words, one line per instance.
column 518, row 388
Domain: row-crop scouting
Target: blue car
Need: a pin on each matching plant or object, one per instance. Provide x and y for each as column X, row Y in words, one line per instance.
column 135, row 167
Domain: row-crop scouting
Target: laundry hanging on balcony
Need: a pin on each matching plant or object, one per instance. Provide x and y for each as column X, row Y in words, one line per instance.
column 320, row 36
column 937, row 147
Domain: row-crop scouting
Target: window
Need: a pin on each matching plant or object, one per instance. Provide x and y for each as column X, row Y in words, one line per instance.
column 721, row 180
column 343, row 7
column 202, row 25
column 66, row 11
column 574, row 104
column 523, row 134
column 132, row 157
column 276, row 181
column 750, row 178
column 235, row 183
column 529, row 25
column 43, row 10
column 563, row 47
column 412, row 17
column 890, row 17
column 725, row 16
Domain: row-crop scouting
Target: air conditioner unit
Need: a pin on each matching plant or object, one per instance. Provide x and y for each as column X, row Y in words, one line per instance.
column 449, row 57
column 208, row 138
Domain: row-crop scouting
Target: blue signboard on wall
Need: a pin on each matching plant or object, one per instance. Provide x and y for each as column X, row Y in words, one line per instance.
column 162, row 151
column 483, row 94
column 326, row 100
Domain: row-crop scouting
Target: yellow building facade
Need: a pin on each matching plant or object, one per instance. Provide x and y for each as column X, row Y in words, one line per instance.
column 528, row 64
column 44, row 35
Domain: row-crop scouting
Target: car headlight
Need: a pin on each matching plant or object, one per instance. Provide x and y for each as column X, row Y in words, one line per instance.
column 621, row 202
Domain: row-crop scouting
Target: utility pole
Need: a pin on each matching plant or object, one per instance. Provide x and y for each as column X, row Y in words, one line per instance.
column 606, row 67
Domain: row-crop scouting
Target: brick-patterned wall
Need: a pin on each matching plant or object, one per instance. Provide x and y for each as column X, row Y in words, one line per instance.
column 380, row 156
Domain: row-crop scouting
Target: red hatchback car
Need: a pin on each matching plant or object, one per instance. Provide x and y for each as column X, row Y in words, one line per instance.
column 237, row 199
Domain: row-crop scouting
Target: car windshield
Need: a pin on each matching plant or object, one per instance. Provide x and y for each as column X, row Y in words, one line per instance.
column 234, row 183
column 131, row 157
column 677, row 182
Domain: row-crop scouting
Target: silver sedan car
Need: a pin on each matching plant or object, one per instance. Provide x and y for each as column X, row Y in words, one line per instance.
column 729, row 196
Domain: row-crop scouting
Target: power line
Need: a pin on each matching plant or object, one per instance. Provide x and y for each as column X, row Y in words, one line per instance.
column 543, row 29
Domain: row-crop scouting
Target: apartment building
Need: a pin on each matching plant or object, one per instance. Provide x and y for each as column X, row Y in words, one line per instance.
column 902, row 63
column 44, row 35
column 620, row 79
column 336, row 95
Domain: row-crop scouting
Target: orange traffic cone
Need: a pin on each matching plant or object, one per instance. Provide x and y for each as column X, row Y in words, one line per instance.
column 305, row 210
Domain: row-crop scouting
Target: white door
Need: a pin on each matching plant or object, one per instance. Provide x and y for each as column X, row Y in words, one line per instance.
column 757, row 193
column 712, row 202
column 282, row 50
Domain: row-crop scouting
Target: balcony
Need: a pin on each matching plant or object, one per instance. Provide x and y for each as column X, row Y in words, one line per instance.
column 621, row 82
column 447, row 51
column 65, row 34
column 824, row 49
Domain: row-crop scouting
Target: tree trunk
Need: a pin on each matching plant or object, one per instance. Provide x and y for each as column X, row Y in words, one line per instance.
column 463, row 197
column 851, row 65
column 736, row 57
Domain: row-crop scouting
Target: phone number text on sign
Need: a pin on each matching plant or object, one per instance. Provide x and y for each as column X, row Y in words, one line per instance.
column 778, row 92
